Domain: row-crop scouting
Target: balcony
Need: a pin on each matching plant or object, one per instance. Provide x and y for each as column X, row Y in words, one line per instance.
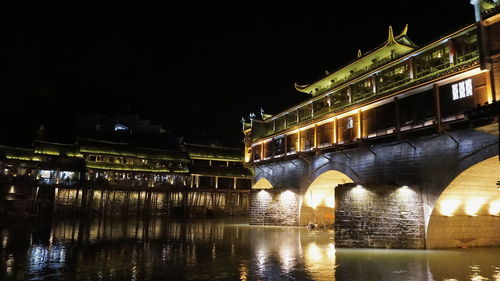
column 468, row 60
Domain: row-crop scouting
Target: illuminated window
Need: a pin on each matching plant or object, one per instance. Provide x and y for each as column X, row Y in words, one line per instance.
column 120, row 127
column 350, row 123
column 45, row 174
column 462, row 89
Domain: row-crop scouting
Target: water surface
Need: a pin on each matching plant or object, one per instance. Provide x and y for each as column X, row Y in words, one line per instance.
column 228, row 249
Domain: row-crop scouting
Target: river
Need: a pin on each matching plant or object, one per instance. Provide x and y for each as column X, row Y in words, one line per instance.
column 214, row 249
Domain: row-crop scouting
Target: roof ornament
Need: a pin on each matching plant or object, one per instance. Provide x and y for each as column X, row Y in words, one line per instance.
column 263, row 114
column 390, row 39
column 405, row 30
column 359, row 53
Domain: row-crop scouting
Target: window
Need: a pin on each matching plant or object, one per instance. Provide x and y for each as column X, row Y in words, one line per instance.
column 462, row 89
column 45, row 174
column 349, row 123
column 120, row 127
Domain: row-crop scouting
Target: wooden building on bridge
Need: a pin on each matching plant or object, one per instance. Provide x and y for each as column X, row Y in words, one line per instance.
column 397, row 89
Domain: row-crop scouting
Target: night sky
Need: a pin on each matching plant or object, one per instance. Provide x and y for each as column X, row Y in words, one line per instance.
column 195, row 68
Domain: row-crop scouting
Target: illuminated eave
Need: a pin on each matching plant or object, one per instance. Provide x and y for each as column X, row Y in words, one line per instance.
column 216, row 158
column 24, row 158
column 350, row 111
column 391, row 45
column 375, row 70
column 131, row 168
column 89, row 150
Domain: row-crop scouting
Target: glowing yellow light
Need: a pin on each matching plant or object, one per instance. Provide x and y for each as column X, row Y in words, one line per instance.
column 473, row 205
column 313, row 252
column 495, row 208
column 359, row 189
column 448, row 207
column 405, row 191
column 330, row 202
column 330, row 251
column 263, row 195
column 12, row 189
column 287, row 198
column 313, row 199
column 288, row 258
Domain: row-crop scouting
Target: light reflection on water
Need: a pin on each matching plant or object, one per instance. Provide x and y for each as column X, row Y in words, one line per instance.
column 228, row 249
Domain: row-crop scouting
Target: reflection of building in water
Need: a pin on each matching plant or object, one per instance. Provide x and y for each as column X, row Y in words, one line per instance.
column 107, row 177
column 160, row 248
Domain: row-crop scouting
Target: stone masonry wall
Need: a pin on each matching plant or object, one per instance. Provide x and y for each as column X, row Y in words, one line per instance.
column 429, row 162
column 274, row 207
column 379, row 217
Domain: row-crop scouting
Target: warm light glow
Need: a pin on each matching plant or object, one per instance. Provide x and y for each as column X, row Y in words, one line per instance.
column 495, row 208
column 358, row 190
column 330, row 202
column 12, row 189
column 330, row 251
column 263, row 183
column 263, row 195
column 313, row 252
column 473, row 205
column 405, row 191
column 287, row 258
column 287, row 198
column 313, row 199
column 448, row 207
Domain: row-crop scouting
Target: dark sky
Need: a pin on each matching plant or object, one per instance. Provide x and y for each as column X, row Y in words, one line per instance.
column 195, row 67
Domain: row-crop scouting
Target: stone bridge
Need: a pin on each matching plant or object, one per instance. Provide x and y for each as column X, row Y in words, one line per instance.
column 402, row 153
column 430, row 191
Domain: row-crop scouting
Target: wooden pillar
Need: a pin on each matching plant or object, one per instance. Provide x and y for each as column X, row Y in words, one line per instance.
column 360, row 125
column 451, row 53
column 437, row 104
column 262, row 151
column 286, row 143
column 490, row 87
column 298, row 140
column 273, row 150
column 397, row 123
column 411, row 71
column 335, row 139
column 315, row 137
column 374, row 83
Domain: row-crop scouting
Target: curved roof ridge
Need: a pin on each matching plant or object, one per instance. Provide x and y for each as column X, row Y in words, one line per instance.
column 391, row 42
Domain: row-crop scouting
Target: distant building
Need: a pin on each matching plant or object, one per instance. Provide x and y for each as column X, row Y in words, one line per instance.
column 98, row 164
column 126, row 129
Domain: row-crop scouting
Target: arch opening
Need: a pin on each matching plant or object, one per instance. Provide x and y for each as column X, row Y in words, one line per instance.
column 467, row 213
column 318, row 205
column 263, row 183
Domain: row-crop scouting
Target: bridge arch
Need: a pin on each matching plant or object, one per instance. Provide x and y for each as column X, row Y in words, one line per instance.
column 262, row 183
column 339, row 167
column 467, row 212
column 318, row 203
